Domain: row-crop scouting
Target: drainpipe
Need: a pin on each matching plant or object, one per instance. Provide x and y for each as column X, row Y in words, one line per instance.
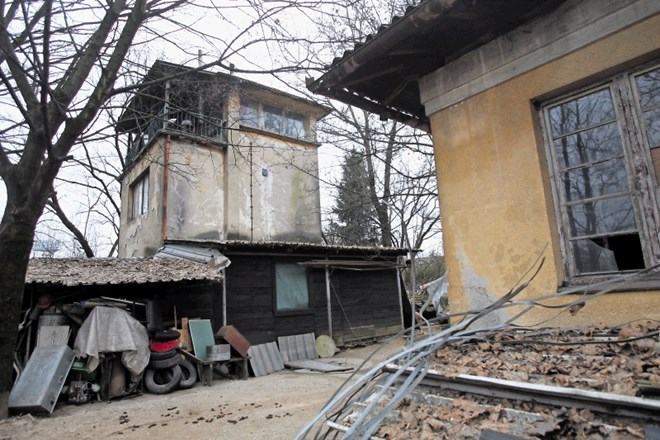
column 166, row 175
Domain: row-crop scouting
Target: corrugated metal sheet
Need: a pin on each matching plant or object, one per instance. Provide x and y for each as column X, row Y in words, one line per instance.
column 265, row 358
column 100, row 271
column 298, row 347
column 211, row 257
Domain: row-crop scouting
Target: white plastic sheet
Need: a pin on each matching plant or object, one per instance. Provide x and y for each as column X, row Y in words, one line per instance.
column 112, row 330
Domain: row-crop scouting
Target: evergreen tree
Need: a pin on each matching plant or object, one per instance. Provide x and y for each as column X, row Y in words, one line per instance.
column 354, row 212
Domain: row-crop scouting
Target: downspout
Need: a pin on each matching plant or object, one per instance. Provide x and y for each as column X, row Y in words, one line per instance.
column 166, row 164
column 327, row 298
column 166, row 175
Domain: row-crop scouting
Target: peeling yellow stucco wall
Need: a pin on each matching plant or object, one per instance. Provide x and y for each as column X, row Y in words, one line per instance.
column 494, row 188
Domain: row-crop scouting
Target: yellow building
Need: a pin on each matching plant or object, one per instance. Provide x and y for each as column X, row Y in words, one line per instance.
column 546, row 127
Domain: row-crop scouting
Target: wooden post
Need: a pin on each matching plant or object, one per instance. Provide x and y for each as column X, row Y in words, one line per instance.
column 398, row 289
column 224, row 297
column 327, row 297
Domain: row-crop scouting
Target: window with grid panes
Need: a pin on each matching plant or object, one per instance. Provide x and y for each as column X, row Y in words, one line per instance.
column 605, row 148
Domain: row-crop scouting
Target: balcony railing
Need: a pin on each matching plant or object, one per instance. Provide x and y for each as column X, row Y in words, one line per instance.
column 179, row 121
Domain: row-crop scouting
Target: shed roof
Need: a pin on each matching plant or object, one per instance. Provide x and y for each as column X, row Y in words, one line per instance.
column 103, row 271
column 381, row 74
column 227, row 246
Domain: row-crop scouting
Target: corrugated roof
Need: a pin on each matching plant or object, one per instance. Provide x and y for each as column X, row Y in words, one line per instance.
column 381, row 73
column 97, row 271
column 292, row 245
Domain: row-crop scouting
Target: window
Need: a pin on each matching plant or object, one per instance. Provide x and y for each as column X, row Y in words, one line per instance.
column 295, row 126
column 291, row 288
column 249, row 113
column 274, row 119
column 603, row 144
column 140, row 196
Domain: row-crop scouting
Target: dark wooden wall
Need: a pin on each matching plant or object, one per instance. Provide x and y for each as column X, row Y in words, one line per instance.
column 366, row 299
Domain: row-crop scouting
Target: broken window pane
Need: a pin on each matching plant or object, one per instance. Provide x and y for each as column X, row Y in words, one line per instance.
column 291, row 287
column 608, row 254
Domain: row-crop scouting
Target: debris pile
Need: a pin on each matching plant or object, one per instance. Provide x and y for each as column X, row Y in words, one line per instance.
column 613, row 360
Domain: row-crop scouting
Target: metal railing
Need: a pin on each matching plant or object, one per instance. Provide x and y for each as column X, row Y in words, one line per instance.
column 178, row 121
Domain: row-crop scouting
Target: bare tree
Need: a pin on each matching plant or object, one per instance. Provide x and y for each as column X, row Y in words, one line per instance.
column 63, row 63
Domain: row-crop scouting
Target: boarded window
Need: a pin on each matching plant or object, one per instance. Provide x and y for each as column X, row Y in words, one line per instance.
column 291, row 287
column 140, row 196
column 597, row 139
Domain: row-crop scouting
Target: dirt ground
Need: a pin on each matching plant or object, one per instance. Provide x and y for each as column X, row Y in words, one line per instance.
column 271, row 407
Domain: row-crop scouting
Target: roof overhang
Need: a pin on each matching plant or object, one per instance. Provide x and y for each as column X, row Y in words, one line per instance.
column 381, row 75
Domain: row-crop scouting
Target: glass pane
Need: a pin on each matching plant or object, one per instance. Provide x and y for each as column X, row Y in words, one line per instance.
column 249, row 113
column 652, row 118
column 581, row 113
column 587, row 146
column 598, row 180
column 291, row 287
column 608, row 254
column 145, row 194
column 295, row 126
column 649, row 89
column 602, row 217
column 272, row 119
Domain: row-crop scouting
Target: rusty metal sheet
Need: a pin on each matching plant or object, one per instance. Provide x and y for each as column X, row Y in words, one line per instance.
column 234, row 338
column 297, row 347
column 265, row 359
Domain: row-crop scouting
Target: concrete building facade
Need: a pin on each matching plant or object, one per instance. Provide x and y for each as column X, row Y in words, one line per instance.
column 545, row 120
column 215, row 157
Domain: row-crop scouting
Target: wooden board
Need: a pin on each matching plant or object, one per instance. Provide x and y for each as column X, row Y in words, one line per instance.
column 316, row 365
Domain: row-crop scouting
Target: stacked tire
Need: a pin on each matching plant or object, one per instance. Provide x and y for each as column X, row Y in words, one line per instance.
column 167, row 370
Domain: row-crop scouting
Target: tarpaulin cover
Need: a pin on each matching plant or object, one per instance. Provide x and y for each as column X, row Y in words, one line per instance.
column 112, row 330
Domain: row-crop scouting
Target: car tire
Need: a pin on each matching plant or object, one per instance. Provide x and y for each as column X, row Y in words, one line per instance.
column 160, row 364
column 159, row 356
column 166, row 335
column 162, row 383
column 188, row 375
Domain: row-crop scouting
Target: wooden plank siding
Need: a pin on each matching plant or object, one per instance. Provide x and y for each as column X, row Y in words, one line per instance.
column 360, row 300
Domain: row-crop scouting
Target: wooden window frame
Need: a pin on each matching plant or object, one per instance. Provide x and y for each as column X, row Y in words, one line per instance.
column 643, row 185
column 139, row 185
column 288, row 312
column 284, row 114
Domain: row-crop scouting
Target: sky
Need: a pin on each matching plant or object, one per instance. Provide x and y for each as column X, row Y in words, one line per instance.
column 229, row 24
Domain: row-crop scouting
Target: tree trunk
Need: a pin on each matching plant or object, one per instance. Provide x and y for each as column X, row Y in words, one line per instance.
column 16, row 233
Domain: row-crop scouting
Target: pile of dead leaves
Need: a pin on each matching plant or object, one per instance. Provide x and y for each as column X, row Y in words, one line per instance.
column 600, row 359
column 468, row 418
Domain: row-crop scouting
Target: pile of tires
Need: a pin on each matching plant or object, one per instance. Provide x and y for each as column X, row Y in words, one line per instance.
column 167, row 370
